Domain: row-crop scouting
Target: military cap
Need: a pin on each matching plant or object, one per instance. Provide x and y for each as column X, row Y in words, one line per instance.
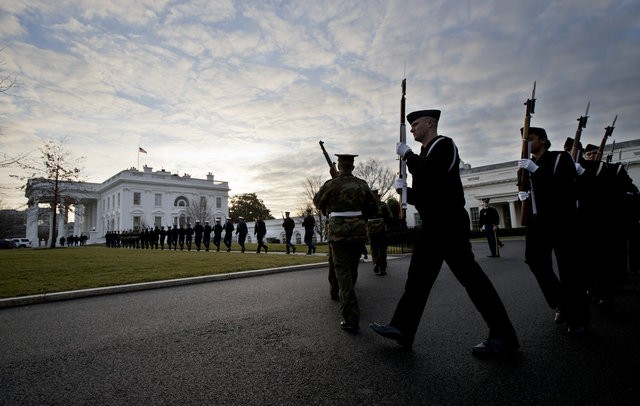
column 486, row 199
column 568, row 144
column 413, row 116
column 197, row 221
column 240, row 218
column 590, row 147
column 206, row 222
column 540, row 132
column 346, row 157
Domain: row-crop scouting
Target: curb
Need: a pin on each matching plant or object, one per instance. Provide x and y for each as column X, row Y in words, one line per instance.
column 134, row 287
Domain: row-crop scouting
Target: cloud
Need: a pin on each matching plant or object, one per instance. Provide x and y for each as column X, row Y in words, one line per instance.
column 247, row 89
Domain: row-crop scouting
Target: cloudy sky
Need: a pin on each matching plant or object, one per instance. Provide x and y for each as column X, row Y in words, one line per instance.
column 246, row 89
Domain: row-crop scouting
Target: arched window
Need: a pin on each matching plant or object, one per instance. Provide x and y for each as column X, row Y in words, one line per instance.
column 181, row 202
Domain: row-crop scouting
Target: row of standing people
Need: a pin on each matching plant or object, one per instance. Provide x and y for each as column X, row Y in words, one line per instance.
column 187, row 237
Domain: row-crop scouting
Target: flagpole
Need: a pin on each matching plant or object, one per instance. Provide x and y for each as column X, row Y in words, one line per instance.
column 138, row 167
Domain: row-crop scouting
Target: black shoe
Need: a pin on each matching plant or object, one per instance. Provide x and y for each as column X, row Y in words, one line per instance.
column 349, row 327
column 294, row 249
column 559, row 317
column 314, row 250
column 383, row 272
column 392, row 333
column 495, row 346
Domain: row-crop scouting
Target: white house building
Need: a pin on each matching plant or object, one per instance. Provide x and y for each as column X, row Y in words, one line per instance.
column 131, row 199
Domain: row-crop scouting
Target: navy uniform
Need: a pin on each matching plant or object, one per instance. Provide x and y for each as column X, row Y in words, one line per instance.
column 207, row 235
column 163, row 236
column 189, row 236
column 489, row 220
column 437, row 194
column 552, row 227
column 260, row 230
column 217, row 235
column 348, row 202
column 198, row 230
column 309, row 224
column 241, row 232
column 228, row 234
column 288, row 224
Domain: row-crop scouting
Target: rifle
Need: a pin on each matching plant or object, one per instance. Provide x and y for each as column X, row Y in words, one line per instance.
column 524, row 182
column 403, row 164
column 582, row 123
column 608, row 131
column 332, row 165
column 610, row 155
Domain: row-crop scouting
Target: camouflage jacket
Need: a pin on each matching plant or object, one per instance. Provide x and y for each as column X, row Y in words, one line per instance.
column 346, row 193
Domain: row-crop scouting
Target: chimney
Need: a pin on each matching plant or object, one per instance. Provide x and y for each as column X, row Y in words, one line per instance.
column 210, row 177
column 148, row 169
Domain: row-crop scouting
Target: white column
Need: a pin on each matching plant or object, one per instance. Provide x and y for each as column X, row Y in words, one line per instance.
column 32, row 223
column 78, row 223
column 62, row 221
column 513, row 213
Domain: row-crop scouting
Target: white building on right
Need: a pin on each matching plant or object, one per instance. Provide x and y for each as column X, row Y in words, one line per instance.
column 498, row 182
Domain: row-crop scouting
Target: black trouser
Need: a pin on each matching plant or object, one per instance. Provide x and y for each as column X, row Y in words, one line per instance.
column 450, row 244
column 308, row 239
column 379, row 251
column 261, row 243
column 207, row 239
column 491, row 239
column 198, row 241
column 569, row 290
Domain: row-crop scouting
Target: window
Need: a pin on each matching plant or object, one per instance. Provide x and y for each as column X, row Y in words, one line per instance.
column 136, row 198
column 181, row 202
column 417, row 219
column 157, row 221
column 136, row 223
column 218, row 202
column 158, row 199
column 203, row 202
column 475, row 218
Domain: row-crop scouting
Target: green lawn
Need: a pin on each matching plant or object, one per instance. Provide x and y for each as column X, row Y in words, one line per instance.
column 39, row 270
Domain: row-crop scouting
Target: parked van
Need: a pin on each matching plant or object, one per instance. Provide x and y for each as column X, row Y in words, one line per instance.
column 22, row 242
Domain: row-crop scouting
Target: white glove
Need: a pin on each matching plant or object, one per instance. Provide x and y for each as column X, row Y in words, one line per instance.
column 399, row 184
column 528, row 165
column 522, row 196
column 579, row 169
column 402, row 149
column 482, row 228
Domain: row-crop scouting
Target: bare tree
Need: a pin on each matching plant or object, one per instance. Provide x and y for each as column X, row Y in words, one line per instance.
column 199, row 210
column 376, row 177
column 6, row 81
column 311, row 187
column 57, row 182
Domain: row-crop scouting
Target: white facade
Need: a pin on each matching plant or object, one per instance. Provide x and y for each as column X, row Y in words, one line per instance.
column 130, row 199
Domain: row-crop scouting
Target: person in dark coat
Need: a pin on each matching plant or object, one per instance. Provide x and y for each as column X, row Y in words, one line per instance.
column 207, row 235
column 188, row 233
column 198, row 229
column 309, row 224
column 228, row 234
column 288, row 224
column 260, row 230
column 217, row 234
column 551, row 229
column 241, row 232
column 175, row 236
column 163, row 237
column 437, row 194
column 489, row 221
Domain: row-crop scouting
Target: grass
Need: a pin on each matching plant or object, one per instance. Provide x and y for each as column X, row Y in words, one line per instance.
column 36, row 271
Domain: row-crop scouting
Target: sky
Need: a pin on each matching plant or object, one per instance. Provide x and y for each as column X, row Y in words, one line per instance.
column 246, row 89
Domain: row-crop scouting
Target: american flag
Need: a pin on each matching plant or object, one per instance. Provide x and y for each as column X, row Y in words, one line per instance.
column 140, row 149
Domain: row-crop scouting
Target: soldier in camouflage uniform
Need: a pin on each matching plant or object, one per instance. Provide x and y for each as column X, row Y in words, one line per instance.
column 377, row 232
column 348, row 202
